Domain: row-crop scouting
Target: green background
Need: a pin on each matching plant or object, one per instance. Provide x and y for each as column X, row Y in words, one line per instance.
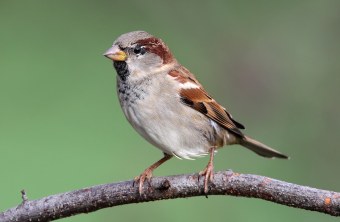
column 274, row 65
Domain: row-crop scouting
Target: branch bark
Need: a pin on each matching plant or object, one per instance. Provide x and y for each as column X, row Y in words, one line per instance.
column 182, row 186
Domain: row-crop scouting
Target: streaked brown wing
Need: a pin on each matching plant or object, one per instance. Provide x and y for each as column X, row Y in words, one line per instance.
column 199, row 100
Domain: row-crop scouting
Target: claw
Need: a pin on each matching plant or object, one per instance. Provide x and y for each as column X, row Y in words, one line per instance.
column 147, row 174
column 208, row 172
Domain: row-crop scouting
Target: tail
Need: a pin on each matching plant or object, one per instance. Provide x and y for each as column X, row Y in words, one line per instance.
column 260, row 148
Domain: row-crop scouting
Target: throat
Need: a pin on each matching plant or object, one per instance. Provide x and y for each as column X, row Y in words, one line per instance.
column 122, row 69
column 132, row 92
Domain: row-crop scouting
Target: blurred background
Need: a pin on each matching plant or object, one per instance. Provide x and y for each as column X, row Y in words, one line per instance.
column 273, row 64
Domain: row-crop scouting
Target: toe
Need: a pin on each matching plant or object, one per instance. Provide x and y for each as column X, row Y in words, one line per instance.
column 141, row 182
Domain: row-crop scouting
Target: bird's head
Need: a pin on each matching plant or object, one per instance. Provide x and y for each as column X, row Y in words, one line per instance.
column 138, row 54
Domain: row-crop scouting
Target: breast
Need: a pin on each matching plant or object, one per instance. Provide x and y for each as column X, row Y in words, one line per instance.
column 163, row 121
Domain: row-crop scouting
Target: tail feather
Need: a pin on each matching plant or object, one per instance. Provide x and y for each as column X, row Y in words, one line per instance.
column 260, row 148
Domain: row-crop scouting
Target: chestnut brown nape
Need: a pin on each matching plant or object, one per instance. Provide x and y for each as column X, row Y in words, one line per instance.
column 158, row 47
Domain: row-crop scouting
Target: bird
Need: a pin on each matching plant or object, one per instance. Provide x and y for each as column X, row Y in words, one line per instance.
column 168, row 106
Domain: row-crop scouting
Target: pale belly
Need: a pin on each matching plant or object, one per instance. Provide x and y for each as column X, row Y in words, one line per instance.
column 180, row 131
column 165, row 122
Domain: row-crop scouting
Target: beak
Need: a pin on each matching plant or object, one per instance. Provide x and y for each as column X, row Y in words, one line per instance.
column 115, row 54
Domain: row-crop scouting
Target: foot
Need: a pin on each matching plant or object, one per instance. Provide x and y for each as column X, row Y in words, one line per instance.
column 208, row 172
column 146, row 175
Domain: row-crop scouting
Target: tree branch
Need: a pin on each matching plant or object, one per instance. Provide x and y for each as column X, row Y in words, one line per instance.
column 225, row 183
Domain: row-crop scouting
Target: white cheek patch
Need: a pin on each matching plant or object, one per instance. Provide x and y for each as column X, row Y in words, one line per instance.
column 189, row 85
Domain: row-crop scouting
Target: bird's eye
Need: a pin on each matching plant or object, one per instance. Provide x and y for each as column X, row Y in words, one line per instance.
column 139, row 50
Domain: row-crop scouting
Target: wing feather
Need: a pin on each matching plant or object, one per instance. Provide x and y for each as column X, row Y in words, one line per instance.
column 198, row 99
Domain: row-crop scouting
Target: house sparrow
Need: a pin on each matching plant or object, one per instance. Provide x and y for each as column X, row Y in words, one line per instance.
column 166, row 104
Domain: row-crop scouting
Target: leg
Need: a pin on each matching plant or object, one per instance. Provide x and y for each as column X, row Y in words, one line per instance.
column 147, row 174
column 208, row 172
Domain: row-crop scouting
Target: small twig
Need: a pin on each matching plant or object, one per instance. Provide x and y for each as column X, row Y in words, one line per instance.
column 23, row 196
column 225, row 183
